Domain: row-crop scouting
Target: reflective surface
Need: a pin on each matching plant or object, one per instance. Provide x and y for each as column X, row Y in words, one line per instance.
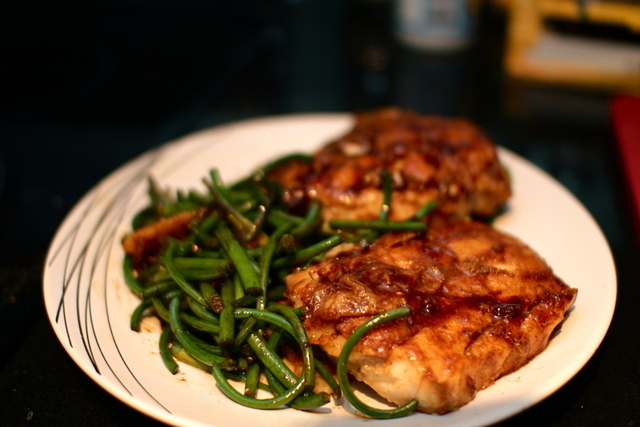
column 95, row 87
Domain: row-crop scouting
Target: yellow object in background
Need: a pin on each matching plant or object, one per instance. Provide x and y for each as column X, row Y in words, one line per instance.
column 536, row 52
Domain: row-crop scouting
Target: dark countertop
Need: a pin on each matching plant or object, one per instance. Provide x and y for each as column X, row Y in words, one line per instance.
column 93, row 86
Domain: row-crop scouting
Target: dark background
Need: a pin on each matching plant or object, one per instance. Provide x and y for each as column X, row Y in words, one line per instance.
column 89, row 85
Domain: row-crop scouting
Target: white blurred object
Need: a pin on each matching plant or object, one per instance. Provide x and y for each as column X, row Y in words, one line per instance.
column 437, row 25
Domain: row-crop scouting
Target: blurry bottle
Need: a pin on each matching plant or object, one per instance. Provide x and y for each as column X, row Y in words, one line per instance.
column 435, row 25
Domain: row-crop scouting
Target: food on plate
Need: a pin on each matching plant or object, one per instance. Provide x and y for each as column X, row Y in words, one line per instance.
column 482, row 305
column 148, row 239
column 366, row 259
column 429, row 158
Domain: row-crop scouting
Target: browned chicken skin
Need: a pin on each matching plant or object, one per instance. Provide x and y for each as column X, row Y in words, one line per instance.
column 483, row 304
column 430, row 158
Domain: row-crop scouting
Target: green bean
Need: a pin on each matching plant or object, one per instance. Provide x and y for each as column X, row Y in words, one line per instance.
column 227, row 322
column 177, row 206
column 309, row 402
column 308, row 368
column 144, row 217
column 324, row 372
column 245, row 301
column 136, row 316
column 279, row 217
column 172, row 294
column 271, row 360
column 342, row 372
column 308, row 252
column 200, row 263
column 245, row 329
column 182, row 355
column 160, row 308
column 274, row 384
column 386, row 195
column 212, row 297
column 265, row 262
column 258, row 221
column 302, row 402
column 251, row 380
column 271, row 166
column 276, row 293
column 165, row 351
column 197, row 198
column 311, row 222
column 201, row 268
column 238, row 287
column 273, row 318
column 179, row 279
column 159, row 289
column 218, row 192
column 378, row 225
column 192, row 321
column 254, row 252
column 205, row 345
column 200, row 324
column 187, row 343
column 159, row 275
column 385, row 209
column 273, row 403
column 209, row 253
column 240, row 258
column 242, row 364
column 192, row 263
column 157, row 196
column 274, row 337
column 425, row 210
column 200, row 311
column 129, row 276
column 235, row 376
column 320, row 367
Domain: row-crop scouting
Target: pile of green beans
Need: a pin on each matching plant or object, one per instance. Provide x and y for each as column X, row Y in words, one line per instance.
column 219, row 291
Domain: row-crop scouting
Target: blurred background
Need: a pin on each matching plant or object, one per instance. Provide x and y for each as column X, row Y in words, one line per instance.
column 89, row 85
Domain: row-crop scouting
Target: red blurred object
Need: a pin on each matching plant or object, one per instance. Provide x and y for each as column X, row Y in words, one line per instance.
column 625, row 117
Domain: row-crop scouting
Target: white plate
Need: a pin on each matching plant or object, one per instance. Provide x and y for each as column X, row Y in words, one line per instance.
column 89, row 305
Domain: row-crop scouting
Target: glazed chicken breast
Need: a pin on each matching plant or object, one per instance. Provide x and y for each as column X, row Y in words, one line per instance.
column 483, row 304
column 429, row 158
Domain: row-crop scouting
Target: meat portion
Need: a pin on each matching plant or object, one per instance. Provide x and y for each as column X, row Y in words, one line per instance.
column 430, row 158
column 483, row 304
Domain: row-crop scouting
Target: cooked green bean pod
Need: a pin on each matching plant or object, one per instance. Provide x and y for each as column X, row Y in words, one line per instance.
column 227, row 321
column 129, row 276
column 136, row 316
column 183, row 355
column 309, row 252
column 240, row 258
column 188, row 344
column 165, row 351
column 221, row 198
column 343, row 375
column 179, row 279
column 271, row 360
column 273, row 403
column 379, row 225
column 158, row 289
